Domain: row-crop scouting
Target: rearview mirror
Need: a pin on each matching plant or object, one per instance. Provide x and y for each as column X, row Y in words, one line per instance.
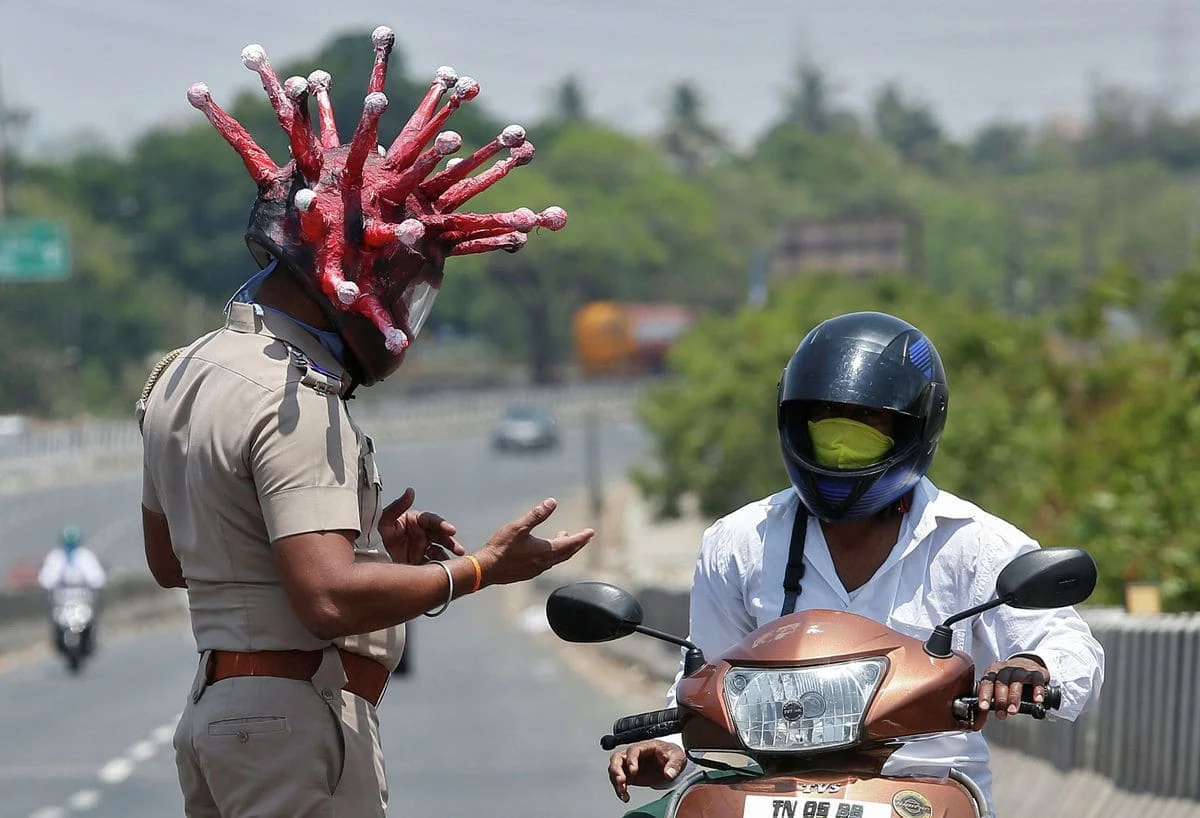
column 592, row 612
column 1047, row 578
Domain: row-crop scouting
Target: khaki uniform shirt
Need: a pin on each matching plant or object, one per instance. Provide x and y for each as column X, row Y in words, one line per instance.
column 247, row 439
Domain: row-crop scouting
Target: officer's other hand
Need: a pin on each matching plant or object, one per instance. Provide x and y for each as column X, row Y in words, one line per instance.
column 411, row 536
column 1003, row 682
column 515, row 553
column 644, row 764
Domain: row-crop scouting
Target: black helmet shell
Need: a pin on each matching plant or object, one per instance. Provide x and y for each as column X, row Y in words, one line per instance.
column 868, row 359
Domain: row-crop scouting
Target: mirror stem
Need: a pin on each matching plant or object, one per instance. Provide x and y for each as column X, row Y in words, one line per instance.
column 666, row 637
column 978, row 609
column 940, row 643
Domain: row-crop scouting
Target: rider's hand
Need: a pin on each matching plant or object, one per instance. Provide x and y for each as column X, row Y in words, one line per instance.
column 515, row 553
column 410, row 536
column 1004, row 681
column 645, row 764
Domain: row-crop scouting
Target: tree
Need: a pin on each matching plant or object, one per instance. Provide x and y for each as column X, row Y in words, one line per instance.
column 637, row 232
column 714, row 425
column 810, row 101
column 569, row 102
column 909, row 127
column 688, row 138
column 1000, row 147
column 81, row 344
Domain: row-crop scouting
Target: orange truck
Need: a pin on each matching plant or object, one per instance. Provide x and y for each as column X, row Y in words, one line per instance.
column 612, row 338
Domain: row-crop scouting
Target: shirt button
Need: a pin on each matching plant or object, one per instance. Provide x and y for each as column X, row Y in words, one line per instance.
column 243, row 736
column 327, row 695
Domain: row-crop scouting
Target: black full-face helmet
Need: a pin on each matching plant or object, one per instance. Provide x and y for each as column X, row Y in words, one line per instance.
column 864, row 359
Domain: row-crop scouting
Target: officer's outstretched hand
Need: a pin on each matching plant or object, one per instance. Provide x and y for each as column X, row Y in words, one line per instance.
column 515, row 553
column 412, row 537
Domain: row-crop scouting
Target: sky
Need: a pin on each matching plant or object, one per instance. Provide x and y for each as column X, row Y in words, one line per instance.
column 105, row 70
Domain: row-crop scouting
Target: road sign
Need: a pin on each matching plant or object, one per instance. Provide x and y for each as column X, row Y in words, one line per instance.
column 34, row 250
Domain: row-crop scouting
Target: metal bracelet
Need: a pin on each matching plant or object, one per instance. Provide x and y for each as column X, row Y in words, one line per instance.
column 449, row 595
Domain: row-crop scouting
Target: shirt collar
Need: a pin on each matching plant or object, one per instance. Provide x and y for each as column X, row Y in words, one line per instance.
column 931, row 507
column 244, row 317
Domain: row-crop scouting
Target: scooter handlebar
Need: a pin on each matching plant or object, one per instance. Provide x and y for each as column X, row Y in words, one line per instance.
column 968, row 705
column 643, row 726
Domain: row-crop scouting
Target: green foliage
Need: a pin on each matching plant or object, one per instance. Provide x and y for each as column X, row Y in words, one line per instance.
column 1046, row 275
column 1086, row 437
column 81, row 344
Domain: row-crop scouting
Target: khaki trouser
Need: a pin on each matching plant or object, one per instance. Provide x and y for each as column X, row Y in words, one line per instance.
column 258, row 746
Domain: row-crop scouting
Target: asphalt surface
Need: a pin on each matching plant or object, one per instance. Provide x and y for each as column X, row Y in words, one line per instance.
column 493, row 720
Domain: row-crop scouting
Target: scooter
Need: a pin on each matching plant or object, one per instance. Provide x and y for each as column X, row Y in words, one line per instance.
column 73, row 612
column 819, row 699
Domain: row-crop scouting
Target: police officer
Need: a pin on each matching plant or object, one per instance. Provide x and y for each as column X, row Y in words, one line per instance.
column 261, row 494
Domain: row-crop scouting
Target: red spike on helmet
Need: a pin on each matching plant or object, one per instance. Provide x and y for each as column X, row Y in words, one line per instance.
column 363, row 229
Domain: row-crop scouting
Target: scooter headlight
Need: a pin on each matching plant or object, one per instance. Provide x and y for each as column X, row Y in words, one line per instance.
column 799, row 709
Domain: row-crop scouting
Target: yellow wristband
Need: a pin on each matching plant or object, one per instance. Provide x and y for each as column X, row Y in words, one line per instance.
column 478, row 572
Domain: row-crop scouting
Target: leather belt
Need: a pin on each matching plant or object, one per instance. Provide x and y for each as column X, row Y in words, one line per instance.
column 365, row 677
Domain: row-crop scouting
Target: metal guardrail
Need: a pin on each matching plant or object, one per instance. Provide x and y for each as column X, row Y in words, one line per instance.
column 79, row 447
column 1144, row 733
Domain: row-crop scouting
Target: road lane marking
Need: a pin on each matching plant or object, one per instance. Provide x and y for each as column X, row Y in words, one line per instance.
column 116, row 770
column 143, row 750
column 84, row 799
column 48, row 812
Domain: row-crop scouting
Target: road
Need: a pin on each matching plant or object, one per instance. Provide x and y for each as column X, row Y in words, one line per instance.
column 492, row 721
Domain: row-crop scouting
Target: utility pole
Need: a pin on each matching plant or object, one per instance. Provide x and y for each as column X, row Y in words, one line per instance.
column 1172, row 46
column 11, row 121
column 3, row 155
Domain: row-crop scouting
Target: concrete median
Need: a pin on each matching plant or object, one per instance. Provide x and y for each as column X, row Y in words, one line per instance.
column 64, row 455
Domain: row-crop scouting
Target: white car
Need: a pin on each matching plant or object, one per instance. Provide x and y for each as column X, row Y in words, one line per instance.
column 525, row 428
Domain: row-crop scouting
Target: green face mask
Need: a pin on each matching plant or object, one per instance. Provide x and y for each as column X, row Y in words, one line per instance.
column 841, row 443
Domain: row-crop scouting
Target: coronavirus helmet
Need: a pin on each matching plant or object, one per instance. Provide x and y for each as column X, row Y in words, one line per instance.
column 365, row 229
column 871, row 360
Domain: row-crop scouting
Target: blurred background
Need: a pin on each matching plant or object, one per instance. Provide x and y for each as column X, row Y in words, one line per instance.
column 1019, row 179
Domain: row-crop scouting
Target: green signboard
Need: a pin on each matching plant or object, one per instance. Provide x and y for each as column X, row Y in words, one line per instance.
column 34, row 250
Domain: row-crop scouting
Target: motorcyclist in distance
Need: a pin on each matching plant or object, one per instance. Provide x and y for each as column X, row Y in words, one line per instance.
column 72, row 563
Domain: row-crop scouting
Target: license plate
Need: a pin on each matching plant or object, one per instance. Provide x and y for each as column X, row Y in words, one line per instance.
column 768, row 806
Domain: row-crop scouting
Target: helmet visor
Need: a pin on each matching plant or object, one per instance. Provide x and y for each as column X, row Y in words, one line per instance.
column 418, row 302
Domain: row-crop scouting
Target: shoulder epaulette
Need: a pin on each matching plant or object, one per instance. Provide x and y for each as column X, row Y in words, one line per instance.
column 139, row 408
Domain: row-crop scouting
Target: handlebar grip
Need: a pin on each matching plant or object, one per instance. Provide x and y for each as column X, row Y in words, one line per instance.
column 1035, row 709
column 662, row 728
column 654, row 717
column 966, row 706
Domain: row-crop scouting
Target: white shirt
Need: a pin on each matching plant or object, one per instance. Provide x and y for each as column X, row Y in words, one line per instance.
column 81, row 568
column 947, row 557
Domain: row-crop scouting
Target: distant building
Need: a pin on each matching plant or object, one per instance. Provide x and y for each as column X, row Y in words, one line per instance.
column 856, row 245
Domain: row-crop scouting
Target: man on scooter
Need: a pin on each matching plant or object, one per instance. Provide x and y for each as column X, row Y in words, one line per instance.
column 72, row 563
column 860, row 409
